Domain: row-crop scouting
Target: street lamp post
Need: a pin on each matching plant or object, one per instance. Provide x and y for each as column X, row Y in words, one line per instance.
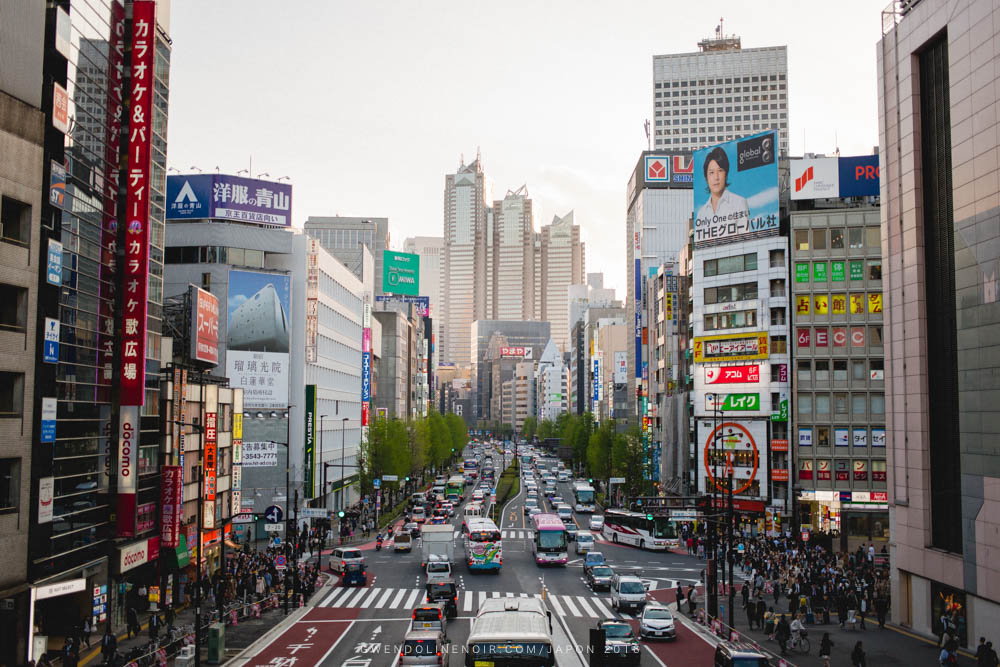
column 201, row 513
column 343, row 447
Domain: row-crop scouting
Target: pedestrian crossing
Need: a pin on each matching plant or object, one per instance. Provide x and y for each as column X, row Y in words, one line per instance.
column 582, row 606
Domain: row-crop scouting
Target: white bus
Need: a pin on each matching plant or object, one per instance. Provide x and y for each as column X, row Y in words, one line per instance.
column 640, row 530
column 511, row 632
column 583, row 498
column 483, row 548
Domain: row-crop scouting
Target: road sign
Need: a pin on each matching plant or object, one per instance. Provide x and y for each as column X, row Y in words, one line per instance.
column 313, row 513
column 273, row 514
column 277, row 541
column 280, row 562
column 493, row 497
column 390, row 478
column 377, row 483
column 617, row 480
column 274, row 527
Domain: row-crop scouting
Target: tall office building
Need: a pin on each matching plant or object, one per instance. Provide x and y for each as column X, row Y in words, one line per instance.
column 464, row 277
column 343, row 238
column 431, row 251
column 938, row 144
column 561, row 260
column 512, row 275
column 718, row 93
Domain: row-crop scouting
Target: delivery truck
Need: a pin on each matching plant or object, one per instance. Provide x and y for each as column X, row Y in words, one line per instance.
column 438, row 540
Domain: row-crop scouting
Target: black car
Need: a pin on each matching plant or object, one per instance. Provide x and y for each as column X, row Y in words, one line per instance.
column 445, row 592
column 414, row 529
column 599, row 577
column 620, row 643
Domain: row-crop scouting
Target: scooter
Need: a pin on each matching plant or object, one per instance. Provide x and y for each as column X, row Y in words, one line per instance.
column 378, row 543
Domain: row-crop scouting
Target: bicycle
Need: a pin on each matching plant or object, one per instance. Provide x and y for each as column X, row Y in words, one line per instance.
column 800, row 644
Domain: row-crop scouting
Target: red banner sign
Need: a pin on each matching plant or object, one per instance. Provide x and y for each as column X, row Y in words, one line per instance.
column 880, row 496
column 779, row 444
column 732, row 374
column 804, row 337
column 205, row 320
column 172, row 505
column 137, row 188
column 779, row 474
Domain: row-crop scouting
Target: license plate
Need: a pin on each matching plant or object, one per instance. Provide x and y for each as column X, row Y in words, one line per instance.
column 426, row 626
column 484, row 663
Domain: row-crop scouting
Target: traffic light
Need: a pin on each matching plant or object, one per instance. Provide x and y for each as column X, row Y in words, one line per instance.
column 340, row 514
column 649, row 517
column 407, row 479
column 590, row 480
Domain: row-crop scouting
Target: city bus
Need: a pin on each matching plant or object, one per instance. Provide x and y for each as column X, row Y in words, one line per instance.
column 548, row 541
column 511, row 632
column 583, row 496
column 482, row 545
column 639, row 529
column 470, row 469
column 454, row 490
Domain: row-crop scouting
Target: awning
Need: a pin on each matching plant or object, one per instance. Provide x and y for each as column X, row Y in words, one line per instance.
column 232, row 545
column 178, row 557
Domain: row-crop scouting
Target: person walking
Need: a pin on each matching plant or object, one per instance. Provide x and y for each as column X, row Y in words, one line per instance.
column 881, row 609
column 132, row 620
column 825, row 648
column 109, row 644
column 782, row 633
column 154, row 626
column 858, row 658
column 170, row 617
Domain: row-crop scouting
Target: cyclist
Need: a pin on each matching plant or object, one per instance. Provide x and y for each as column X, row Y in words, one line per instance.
column 798, row 631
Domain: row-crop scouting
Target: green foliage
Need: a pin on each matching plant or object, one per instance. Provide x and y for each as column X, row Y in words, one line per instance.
column 547, row 429
column 528, row 428
column 600, row 451
column 459, row 434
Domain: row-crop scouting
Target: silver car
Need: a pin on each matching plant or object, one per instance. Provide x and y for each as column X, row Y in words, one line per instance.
column 423, row 647
column 584, row 541
column 657, row 622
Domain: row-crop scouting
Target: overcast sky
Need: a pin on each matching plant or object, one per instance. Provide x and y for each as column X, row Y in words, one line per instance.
column 367, row 105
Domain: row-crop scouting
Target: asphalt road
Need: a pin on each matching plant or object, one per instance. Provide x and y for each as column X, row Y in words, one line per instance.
column 359, row 628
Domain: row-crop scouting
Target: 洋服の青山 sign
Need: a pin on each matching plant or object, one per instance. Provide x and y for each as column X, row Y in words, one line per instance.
column 203, row 196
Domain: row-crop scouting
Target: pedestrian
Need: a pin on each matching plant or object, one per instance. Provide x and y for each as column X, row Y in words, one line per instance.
column 691, row 602
column 680, row 595
column 109, row 643
column 945, row 629
column 154, row 626
column 858, row 656
column 862, row 606
column 991, row 658
column 769, row 623
column 86, row 630
column 69, row 654
column 783, row 633
column 825, row 647
column 881, row 607
column 949, row 654
column 132, row 618
column 981, row 652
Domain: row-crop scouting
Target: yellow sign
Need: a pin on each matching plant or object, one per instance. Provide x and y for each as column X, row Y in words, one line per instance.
column 802, row 305
column 875, row 302
column 238, row 425
column 857, row 304
column 839, row 304
column 822, row 304
column 730, row 347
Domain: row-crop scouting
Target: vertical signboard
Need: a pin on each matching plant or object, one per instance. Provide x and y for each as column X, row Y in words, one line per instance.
column 53, row 263
column 366, row 362
column 259, row 308
column 171, row 504
column 46, row 487
column 236, row 484
column 310, row 452
column 312, row 300
column 128, row 445
column 48, row 430
column 211, row 450
column 204, row 325
column 50, row 351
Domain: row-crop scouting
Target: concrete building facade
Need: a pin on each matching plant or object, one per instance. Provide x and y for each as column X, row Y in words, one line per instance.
column 343, row 237
column 561, row 263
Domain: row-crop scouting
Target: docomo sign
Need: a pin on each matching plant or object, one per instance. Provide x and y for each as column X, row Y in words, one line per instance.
column 205, row 322
column 128, row 436
column 138, row 554
column 732, row 374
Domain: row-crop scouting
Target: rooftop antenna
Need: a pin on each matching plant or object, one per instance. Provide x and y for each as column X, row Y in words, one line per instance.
column 719, row 32
column 478, row 154
column 645, row 124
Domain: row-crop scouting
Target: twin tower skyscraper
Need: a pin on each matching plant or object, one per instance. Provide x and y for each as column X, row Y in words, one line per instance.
column 497, row 267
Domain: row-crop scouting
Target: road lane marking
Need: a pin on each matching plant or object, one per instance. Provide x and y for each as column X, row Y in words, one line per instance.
column 583, row 605
column 482, row 598
column 388, row 594
column 338, row 602
column 467, row 601
column 398, row 598
column 334, row 645
column 371, row 598
column 413, row 599
column 568, row 601
column 602, row 610
column 495, row 594
column 329, row 598
column 655, row 657
column 510, row 595
column 555, row 605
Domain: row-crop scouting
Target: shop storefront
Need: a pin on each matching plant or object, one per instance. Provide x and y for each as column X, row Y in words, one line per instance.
column 137, row 577
column 57, row 608
column 852, row 518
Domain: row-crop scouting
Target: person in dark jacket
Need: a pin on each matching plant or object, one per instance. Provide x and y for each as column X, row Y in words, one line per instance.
column 783, row 633
column 881, row 608
column 109, row 644
column 132, row 618
column 858, row 658
column 825, row 648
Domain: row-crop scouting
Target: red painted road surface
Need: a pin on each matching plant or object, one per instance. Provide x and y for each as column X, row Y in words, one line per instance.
column 688, row 649
column 307, row 641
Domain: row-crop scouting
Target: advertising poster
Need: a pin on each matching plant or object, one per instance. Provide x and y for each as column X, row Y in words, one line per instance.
column 737, row 446
column 732, row 347
column 400, row 273
column 260, row 454
column 621, row 367
column 205, row 325
column 310, row 449
column 200, row 196
column 736, row 190
column 171, row 504
column 259, row 310
column 46, row 487
column 815, row 178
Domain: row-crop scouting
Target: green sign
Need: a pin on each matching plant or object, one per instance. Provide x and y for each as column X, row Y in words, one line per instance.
column 857, row 271
column 819, row 271
column 736, row 402
column 782, row 414
column 400, row 273
column 802, row 272
column 310, row 453
column 837, row 269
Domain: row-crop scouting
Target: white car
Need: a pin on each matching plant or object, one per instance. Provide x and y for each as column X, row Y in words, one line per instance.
column 584, row 541
column 477, row 495
column 656, row 622
column 596, row 523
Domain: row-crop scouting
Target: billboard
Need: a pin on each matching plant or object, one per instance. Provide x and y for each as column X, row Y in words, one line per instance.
column 747, row 374
column 621, row 367
column 200, row 196
column 171, row 505
column 309, row 486
column 204, row 326
column 739, row 446
column 260, row 454
column 400, row 273
column 736, row 190
column 815, row 178
column 859, row 176
column 259, row 310
column 730, row 347
column 519, row 351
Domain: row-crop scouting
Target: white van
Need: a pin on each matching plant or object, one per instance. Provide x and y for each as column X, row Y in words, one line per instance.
column 473, row 510
column 627, row 593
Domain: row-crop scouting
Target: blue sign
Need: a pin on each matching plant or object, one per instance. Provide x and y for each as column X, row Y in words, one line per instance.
column 597, row 372
column 423, row 303
column 273, row 514
column 366, row 376
column 377, row 483
column 859, row 176
column 224, row 197
column 53, row 268
column 845, row 496
column 277, row 541
column 48, row 431
column 50, row 353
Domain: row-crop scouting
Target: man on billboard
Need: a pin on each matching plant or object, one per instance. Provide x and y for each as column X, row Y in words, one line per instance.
column 723, row 203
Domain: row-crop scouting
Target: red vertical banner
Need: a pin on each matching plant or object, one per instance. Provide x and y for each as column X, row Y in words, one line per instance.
column 209, row 466
column 137, row 187
column 171, row 504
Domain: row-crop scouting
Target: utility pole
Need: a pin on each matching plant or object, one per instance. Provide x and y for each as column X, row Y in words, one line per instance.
column 729, row 555
column 197, row 590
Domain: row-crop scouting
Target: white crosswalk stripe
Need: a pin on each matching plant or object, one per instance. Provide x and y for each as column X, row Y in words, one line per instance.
column 555, row 605
column 413, row 599
column 467, row 601
column 371, row 598
column 601, row 609
column 457, row 533
column 583, row 605
column 399, row 598
column 568, row 601
column 384, row 598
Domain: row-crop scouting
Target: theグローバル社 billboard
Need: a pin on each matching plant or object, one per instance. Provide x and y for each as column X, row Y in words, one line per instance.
column 736, row 190
column 259, row 309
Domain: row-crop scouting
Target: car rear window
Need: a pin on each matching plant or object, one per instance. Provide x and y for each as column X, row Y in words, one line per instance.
column 441, row 590
column 351, row 553
column 426, row 614
column 420, row 647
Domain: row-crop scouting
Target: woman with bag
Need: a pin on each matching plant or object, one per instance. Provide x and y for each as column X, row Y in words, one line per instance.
column 825, row 647
column 858, row 658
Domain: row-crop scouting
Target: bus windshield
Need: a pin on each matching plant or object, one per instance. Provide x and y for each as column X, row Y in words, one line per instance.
column 484, row 536
column 519, row 653
column 553, row 540
column 664, row 528
column 585, row 495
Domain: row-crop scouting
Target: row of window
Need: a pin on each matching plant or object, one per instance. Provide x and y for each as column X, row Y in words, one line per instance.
column 731, row 293
column 842, row 470
column 839, row 271
column 215, row 255
column 734, row 320
column 860, row 371
column 826, row 338
column 855, row 238
column 720, row 81
column 855, row 303
column 821, row 405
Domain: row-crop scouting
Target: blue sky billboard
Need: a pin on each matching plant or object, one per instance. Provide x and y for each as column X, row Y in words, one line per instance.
column 736, row 190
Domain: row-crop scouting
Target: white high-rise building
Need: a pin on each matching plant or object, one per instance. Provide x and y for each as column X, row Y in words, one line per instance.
column 719, row 93
column 513, row 267
column 562, row 264
column 431, row 251
column 464, row 284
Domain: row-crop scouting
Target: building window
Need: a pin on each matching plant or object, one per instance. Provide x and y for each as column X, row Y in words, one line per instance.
column 823, row 370
column 874, row 269
column 731, row 293
column 819, row 239
column 855, row 237
column 11, row 394
column 13, row 308
column 10, row 478
column 859, row 404
column 878, row 404
column 823, row 436
column 822, row 404
column 777, row 288
column 837, row 238
column 777, row 259
column 873, row 238
column 15, row 221
column 805, row 404
column 802, row 239
column 840, row 402
column 840, row 372
column 777, row 316
column 735, row 264
column 804, row 371
column 740, row 319
column 779, row 344
column 858, row 371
